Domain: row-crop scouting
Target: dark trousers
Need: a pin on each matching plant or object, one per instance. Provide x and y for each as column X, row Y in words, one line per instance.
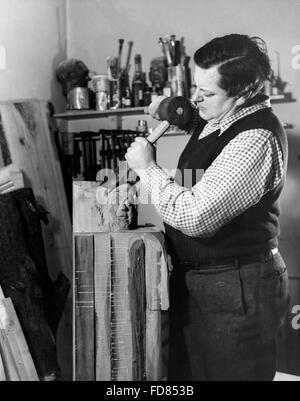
column 224, row 320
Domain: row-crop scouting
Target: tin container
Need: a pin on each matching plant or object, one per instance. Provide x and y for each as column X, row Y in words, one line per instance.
column 142, row 126
column 176, row 77
column 100, row 83
column 78, row 99
column 102, row 100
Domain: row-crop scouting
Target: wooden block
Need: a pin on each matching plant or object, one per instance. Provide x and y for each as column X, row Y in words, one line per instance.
column 16, row 345
column 84, row 308
column 85, row 213
column 9, row 364
column 103, row 260
column 97, row 210
column 130, row 279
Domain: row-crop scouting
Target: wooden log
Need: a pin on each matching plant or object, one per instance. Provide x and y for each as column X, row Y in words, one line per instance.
column 84, row 308
column 23, row 365
column 103, row 289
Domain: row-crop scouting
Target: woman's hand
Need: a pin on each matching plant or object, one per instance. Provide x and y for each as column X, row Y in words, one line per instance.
column 154, row 106
column 140, row 155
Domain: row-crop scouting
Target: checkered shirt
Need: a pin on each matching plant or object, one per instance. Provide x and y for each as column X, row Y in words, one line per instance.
column 248, row 167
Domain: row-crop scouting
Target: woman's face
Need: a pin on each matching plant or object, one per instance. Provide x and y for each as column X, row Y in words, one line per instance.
column 211, row 100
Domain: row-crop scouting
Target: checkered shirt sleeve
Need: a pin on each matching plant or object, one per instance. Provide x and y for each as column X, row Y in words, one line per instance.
column 249, row 166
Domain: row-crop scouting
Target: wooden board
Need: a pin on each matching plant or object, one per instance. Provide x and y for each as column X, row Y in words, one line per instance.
column 27, row 142
column 103, row 260
column 11, row 369
column 153, row 311
column 31, row 149
column 84, row 308
column 2, row 371
column 17, row 358
column 137, row 307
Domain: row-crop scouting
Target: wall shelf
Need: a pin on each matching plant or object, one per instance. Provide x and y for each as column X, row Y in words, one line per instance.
column 88, row 114
column 273, row 101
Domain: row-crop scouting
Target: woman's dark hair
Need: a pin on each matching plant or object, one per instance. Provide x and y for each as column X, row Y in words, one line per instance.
column 242, row 61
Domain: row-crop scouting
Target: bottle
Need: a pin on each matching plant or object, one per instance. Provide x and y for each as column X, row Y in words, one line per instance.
column 114, row 94
column 126, row 93
column 138, row 84
column 147, row 95
column 127, row 100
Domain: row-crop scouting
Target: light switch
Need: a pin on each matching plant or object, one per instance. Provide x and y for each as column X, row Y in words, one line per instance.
column 2, row 58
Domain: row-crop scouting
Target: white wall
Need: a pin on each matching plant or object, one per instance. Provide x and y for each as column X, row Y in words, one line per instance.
column 33, row 33
column 96, row 25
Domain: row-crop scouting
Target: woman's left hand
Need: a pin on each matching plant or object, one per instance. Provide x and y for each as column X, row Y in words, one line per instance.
column 140, row 155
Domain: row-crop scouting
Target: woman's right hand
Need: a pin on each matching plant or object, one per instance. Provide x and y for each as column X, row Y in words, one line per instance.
column 153, row 107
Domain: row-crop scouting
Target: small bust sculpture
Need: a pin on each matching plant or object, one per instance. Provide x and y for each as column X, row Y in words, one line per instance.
column 72, row 73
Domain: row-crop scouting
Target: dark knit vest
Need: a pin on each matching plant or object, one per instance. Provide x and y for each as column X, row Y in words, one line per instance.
column 254, row 231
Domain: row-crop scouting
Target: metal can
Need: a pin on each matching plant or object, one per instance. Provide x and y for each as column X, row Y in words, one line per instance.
column 78, row 98
column 142, row 126
column 101, row 100
column 100, row 83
